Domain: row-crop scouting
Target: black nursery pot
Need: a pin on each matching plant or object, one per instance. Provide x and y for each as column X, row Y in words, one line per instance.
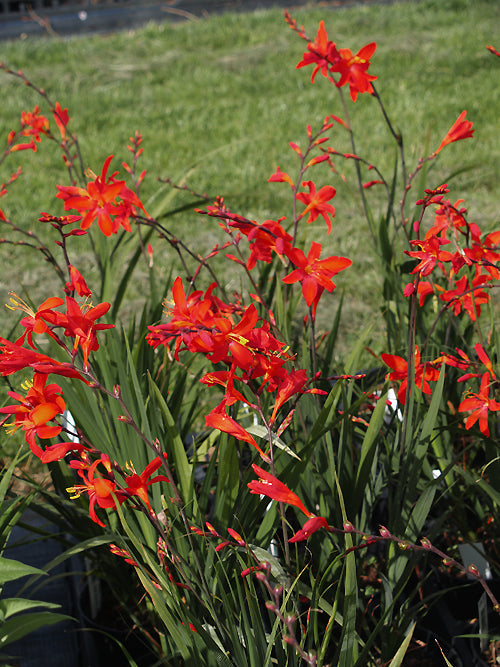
column 106, row 628
column 455, row 614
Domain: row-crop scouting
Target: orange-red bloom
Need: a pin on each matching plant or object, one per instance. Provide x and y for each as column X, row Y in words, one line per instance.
column 467, row 298
column 313, row 273
column 480, row 404
column 33, row 322
column 219, row 419
column 105, row 199
column 316, row 203
column 138, row 485
column 430, row 254
column 77, row 283
column 34, row 124
column 62, row 119
column 33, row 412
column 14, row 357
column 353, row 70
column 79, row 323
column 270, row 486
column 424, row 373
column 461, row 129
column 321, row 53
column 311, row 526
column 100, row 489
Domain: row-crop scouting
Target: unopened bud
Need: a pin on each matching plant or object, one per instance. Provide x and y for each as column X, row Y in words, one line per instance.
column 124, row 419
column 473, row 570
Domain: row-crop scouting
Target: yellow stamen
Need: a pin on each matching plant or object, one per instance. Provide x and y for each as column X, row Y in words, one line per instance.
column 19, row 304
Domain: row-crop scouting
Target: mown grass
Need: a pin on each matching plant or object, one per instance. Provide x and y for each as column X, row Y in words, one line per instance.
column 220, row 99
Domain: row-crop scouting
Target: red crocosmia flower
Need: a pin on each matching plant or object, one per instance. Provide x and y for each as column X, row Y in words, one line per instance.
column 461, row 129
column 40, row 405
column 123, row 553
column 353, row 70
column 429, row 254
column 270, row 369
column 448, row 217
column 20, row 147
column 287, row 386
column 313, row 273
column 108, row 200
column 100, row 489
column 62, row 119
column 138, row 485
column 270, row 486
column 480, row 404
column 79, row 323
column 33, row 323
column 280, row 177
column 424, row 290
column 219, row 419
column 236, row 537
column 265, row 239
column 322, row 53
column 470, row 299
column 34, row 124
column 409, row 289
column 484, row 254
column 194, row 322
column 77, row 283
column 316, row 203
column 462, row 362
column 424, row 373
column 485, row 360
column 311, row 526
column 14, row 357
column 57, row 451
column 492, row 50
column 225, row 379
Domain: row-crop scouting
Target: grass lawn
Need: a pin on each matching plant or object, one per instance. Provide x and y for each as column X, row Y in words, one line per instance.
column 219, row 99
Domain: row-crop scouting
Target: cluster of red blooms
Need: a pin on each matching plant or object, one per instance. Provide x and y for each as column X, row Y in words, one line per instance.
column 33, row 126
column 43, row 403
column 41, row 412
column 463, row 274
column 464, row 271
column 329, row 60
column 314, row 274
column 105, row 198
column 228, row 334
column 104, row 490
